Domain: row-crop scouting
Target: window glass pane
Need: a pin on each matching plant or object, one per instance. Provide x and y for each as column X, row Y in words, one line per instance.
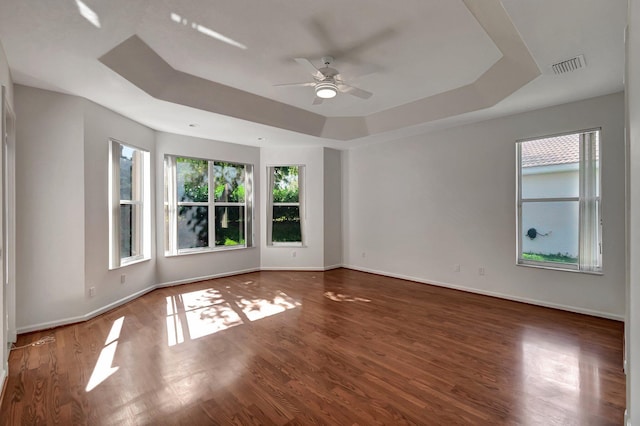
column 167, row 197
column 167, row 228
column 229, row 182
column 230, row 226
column 126, row 172
column 550, row 167
column 193, row 227
column 192, row 180
column 550, row 231
column 286, row 224
column 128, row 224
column 285, row 185
column 597, row 149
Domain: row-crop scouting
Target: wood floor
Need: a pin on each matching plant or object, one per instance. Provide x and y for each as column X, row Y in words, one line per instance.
column 338, row 347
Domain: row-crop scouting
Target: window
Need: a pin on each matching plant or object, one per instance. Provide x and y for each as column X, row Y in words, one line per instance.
column 207, row 205
column 559, row 221
column 129, row 201
column 286, row 206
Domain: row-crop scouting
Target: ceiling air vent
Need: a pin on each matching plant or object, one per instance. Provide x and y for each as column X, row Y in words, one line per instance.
column 569, row 65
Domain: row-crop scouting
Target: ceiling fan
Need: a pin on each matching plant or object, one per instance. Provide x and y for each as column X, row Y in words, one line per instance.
column 327, row 81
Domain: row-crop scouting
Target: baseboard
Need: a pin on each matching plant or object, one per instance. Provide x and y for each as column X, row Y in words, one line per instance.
column 303, row 268
column 545, row 304
column 205, row 278
column 115, row 304
column 81, row 318
column 294, row 268
column 336, row 266
column 51, row 324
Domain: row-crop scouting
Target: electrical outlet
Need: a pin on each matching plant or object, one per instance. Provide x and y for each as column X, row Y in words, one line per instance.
column 364, row 254
column 92, row 291
column 123, row 279
column 456, row 268
column 294, row 253
column 481, row 270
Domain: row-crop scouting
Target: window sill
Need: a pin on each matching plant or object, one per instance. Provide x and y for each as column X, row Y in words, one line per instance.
column 207, row 250
column 558, row 268
column 130, row 262
column 286, row 245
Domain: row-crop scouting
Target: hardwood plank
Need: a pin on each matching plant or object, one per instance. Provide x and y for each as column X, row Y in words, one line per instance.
column 336, row 347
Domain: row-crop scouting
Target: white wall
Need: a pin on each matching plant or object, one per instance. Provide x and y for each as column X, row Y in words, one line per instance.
column 101, row 124
column 186, row 268
column 62, row 225
column 312, row 255
column 632, row 325
column 5, row 80
column 50, row 192
column 5, row 75
column 419, row 206
column 332, row 208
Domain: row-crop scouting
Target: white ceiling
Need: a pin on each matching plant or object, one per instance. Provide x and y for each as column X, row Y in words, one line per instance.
column 411, row 54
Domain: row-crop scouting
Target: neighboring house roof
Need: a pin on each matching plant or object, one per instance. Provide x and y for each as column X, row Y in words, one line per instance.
column 551, row 151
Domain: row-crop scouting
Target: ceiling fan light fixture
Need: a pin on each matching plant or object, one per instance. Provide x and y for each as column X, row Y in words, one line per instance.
column 326, row 90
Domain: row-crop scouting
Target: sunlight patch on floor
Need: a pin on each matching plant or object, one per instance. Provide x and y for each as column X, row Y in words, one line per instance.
column 338, row 297
column 204, row 312
column 256, row 309
column 103, row 369
column 204, row 321
column 174, row 324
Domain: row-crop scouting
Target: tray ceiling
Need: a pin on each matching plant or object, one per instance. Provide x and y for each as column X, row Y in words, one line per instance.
column 429, row 63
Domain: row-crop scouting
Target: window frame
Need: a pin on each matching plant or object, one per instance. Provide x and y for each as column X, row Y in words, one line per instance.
column 140, row 197
column 300, row 204
column 172, row 205
column 583, row 209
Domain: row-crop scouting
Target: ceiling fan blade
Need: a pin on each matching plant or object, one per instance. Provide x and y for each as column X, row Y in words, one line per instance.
column 371, row 41
column 323, row 35
column 306, row 64
column 365, row 70
column 317, row 101
column 363, row 94
column 295, row 85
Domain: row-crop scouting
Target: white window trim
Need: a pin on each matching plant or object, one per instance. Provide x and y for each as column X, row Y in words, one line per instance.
column 586, row 187
column 143, row 228
column 171, row 205
column 301, row 205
